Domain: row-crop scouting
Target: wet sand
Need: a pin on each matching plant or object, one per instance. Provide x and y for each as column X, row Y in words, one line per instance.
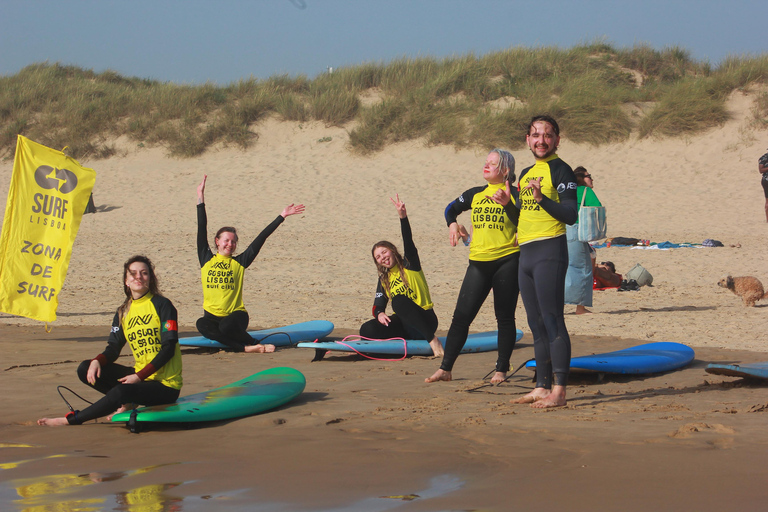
column 363, row 429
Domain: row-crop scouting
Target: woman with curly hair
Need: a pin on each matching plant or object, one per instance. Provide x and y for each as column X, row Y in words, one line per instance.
column 402, row 280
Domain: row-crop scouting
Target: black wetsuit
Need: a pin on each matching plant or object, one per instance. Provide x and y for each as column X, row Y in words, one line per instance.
column 224, row 316
column 150, row 328
column 493, row 265
column 413, row 316
column 544, row 263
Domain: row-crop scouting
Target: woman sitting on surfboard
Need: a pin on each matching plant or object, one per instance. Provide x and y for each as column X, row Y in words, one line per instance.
column 147, row 322
column 224, row 316
column 493, row 260
column 402, row 280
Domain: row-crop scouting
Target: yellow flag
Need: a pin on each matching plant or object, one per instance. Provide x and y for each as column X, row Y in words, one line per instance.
column 48, row 195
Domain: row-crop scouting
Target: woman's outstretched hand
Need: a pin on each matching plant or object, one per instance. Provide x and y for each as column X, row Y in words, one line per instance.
column 201, row 190
column 400, row 206
column 292, row 209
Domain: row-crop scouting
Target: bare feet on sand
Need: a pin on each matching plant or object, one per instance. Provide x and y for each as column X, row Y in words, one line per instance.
column 555, row 399
column 439, row 375
column 258, row 348
column 581, row 310
column 53, row 422
column 498, row 378
column 534, row 396
column 437, row 347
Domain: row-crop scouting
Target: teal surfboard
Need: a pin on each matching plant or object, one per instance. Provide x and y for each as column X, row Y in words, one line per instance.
column 258, row 393
column 278, row 336
column 657, row 357
column 478, row 342
column 746, row 371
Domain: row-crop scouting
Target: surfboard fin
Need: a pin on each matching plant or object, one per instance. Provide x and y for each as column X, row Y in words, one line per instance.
column 134, row 425
column 319, row 354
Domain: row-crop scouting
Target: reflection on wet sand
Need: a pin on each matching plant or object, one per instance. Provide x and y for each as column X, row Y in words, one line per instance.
column 63, row 493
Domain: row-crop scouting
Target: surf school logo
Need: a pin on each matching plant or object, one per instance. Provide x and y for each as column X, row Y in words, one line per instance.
column 169, row 325
column 51, row 178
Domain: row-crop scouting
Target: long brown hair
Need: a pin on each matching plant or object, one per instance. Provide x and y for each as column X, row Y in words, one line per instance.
column 383, row 271
column 153, row 288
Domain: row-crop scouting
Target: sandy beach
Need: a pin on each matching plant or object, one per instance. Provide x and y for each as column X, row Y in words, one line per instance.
column 363, row 429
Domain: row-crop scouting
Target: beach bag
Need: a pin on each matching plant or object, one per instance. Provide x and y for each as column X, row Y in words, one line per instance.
column 639, row 274
column 591, row 226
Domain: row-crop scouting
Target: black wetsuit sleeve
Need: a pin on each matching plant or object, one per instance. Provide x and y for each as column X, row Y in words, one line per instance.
column 247, row 257
column 114, row 344
column 511, row 208
column 380, row 301
column 460, row 205
column 169, row 337
column 409, row 248
column 566, row 210
column 203, row 249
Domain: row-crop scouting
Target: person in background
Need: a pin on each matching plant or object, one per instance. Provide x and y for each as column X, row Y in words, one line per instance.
column 581, row 255
column 762, row 166
column 605, row 275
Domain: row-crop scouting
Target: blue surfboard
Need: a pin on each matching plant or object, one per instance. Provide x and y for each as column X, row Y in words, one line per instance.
column 649, row 358
column 478, row 342
column 278, row 336
column 747, row 371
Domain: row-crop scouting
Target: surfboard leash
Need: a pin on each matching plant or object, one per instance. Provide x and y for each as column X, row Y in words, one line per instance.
column 290, row 340
column 356, row 337
column 485, row 385
column 59, row 388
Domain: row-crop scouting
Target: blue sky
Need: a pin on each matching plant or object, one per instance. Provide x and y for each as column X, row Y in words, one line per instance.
column 195, row 41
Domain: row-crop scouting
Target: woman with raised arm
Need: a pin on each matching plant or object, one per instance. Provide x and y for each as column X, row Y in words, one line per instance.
column 402, row 280
column 147, row 321
column 493, row 262
column 224, row 316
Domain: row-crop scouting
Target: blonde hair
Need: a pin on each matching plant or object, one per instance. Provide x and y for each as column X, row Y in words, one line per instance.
column 506, row 164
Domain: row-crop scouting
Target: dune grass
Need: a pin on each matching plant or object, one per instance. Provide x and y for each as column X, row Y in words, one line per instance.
column 466, row 101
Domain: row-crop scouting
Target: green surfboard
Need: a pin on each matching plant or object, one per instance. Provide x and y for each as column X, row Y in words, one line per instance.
column 258, row 393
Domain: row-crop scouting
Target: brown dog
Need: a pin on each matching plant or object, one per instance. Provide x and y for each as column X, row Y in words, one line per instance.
column 749, row 288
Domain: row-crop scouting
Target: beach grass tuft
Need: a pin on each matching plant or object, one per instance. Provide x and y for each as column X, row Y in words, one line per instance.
column 599, row 94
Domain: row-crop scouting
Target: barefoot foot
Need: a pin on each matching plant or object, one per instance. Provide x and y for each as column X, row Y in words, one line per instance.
column 439, row 375
column 53, row 422
column 534, row 396
column 258, row 348
column 555, row 399
column 437, row 347
column 498, row 378
column 122, row 408
column 581, row 310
